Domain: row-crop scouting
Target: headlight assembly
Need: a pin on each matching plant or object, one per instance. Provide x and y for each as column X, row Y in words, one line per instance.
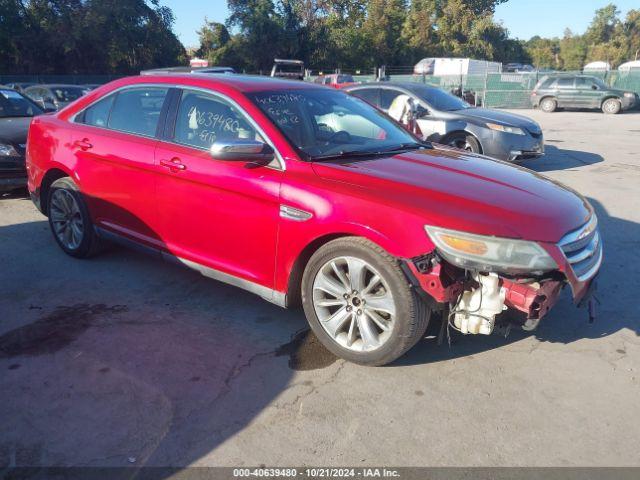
column 629, row 94
column 8, row 150
column 505, row 128
column 490, row 254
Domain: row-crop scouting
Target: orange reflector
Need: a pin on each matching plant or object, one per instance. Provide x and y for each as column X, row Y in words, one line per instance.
column 465, row 245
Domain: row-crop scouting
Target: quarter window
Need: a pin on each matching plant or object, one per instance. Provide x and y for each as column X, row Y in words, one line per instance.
column 137, row 110
column 98, row 113
column 202, row 119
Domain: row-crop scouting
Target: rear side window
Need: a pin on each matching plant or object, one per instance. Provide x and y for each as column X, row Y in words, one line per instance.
column 387, row 97
column 98, row 113
column 369, row 95
column 565, row 82
column 138, row 110
column 202, row 119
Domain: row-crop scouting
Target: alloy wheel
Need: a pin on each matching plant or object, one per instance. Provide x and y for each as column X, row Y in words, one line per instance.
column 461, row 143
column 354, row 304
column 66, row 219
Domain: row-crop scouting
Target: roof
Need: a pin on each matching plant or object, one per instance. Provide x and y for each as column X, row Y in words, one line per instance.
column 406, row 85
column 56, row 85
column 240, row 83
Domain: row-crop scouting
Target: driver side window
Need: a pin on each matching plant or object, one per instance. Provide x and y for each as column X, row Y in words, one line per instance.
column 202, row 119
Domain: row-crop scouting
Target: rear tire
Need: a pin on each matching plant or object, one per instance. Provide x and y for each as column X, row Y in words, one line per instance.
column 360, row 304
column 69, row 220
column 611, row 106
column 548, row 105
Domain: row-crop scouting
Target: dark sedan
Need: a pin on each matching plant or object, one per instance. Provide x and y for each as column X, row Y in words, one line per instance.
column 444, row 118
column 55, row 97
column 16, row 112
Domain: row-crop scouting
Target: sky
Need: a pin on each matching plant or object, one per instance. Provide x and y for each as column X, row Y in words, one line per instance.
column 523, row 18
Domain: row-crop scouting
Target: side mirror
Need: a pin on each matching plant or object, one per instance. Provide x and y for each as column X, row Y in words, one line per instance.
column 242, row 151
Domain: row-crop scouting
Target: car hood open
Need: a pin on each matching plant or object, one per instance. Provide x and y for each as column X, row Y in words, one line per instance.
column 452, row 189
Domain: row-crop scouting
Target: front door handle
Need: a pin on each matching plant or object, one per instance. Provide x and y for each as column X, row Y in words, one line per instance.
column 84, row 144
column 173, row 164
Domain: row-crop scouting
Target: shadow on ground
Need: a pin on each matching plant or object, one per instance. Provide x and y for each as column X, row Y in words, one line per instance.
column 557, row 158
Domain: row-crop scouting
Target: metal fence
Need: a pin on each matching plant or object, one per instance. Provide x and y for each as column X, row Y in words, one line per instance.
column 66, row 79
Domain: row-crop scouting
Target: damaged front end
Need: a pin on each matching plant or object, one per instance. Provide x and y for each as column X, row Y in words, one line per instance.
column 481, row 282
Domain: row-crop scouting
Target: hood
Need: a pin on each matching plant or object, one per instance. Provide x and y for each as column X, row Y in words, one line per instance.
column 14, row 130
column 486, row 115
column 465, row 192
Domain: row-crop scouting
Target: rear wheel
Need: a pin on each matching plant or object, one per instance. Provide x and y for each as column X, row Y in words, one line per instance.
column 70, row 221
column 548, row 105
column 463, row 141
column 359, row 303
column 611, row 106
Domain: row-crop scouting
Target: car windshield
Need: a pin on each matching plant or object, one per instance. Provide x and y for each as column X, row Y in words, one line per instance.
column 68, row 94
column 439, row 99
column 13, row 104
column 323, row 123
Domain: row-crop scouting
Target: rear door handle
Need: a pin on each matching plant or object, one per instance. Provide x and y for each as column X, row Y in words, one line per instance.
column 84, row 144
column 173, row 164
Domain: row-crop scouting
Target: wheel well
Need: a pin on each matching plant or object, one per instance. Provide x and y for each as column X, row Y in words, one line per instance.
column 295, row 277
column 547, row 96
column 609, row 98
column 445, row 139
column 50, row 177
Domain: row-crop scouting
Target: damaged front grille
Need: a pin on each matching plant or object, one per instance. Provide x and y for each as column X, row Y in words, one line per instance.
column 583, row 250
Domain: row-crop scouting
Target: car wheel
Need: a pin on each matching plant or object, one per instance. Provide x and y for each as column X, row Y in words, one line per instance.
column 464, row 141
column 548, row 105
column 70, row 221
column 360, row 304
column 611, row 106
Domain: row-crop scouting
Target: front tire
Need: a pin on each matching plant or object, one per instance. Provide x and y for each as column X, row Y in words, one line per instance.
column 359, row 303
column 464, row 141
column 611, row 106
column 70, row 221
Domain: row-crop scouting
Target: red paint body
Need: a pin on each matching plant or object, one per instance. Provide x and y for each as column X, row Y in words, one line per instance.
column 225, row 216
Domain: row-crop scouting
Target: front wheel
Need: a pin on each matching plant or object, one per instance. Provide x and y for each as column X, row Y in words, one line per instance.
column 548, row 105
column 611, row 106
column 464, row 141
column 359, row 303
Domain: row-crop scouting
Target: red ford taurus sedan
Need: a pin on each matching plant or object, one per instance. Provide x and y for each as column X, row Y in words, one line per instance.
column 304, row 194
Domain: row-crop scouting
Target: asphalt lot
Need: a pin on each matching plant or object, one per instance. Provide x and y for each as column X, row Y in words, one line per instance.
column 126, row 360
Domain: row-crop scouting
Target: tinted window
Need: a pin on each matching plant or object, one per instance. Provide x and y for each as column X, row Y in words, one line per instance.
column 98, row 114
column 12, row 104
column 439, row 99
column 387, row 97
column 582, row 83
column 203, row 119
column 565, row 82
column 137, row 110
column 370, row 95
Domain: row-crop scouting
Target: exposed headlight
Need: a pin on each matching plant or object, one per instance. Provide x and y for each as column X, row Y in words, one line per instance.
column 629, row 94
column 505, row 128
column 8, row 151
column 490, row 254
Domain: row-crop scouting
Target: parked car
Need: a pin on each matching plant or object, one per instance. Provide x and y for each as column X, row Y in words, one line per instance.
column 55, row 97
column 518, row 68
column 286, row 68
column 444, row 118
column 16, row 112
column 580, row 91
column 20, row 86
column 301, row 193
column 335, row 80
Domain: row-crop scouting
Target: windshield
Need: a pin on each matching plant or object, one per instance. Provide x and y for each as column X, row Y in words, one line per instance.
column 439, row 99
column 68, row 94
column 325, row 122
column 13, row 104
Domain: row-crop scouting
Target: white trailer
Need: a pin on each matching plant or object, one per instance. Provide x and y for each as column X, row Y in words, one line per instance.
column 463, row 66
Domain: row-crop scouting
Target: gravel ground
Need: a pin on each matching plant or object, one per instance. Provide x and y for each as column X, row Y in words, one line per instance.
column 124, row 359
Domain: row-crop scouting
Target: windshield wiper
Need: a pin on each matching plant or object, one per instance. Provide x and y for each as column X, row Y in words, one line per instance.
column 372, row 153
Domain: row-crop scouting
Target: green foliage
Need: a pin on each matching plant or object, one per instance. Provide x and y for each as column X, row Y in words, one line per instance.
column 86, row 36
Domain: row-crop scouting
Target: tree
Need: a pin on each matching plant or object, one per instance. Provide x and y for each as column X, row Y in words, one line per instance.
column 573, row 51
column 382, row 30
column 418, row 31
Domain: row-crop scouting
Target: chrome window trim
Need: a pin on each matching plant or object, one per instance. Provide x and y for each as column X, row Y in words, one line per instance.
column 281, row 165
